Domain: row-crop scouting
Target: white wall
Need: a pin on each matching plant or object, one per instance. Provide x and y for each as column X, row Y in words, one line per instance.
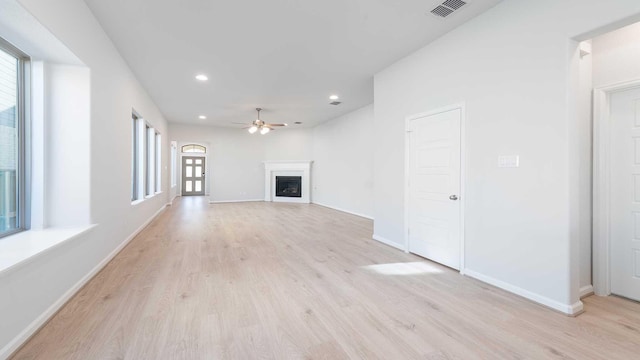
column 616, row 56
column 342, row 176
column 235, row 157
column 103, row 152
column 67, row 107
column 511, row 66
column 289, row 144
column 584, row 173
column 173, row 173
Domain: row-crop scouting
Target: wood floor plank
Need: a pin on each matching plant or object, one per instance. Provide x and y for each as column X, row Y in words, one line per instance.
column 297, row 281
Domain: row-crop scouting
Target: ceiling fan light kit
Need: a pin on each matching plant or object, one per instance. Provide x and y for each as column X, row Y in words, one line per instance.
column 261, row 125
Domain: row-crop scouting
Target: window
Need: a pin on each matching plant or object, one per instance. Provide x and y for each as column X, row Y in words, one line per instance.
column 192, row 148
column 158, row 152
column 174, row 176
column 12, row 139
column 146, row 159
column 135, row 158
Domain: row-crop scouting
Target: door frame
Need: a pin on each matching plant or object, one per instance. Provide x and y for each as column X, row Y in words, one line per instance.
column 208, row 188
column 182, row 179
column 602, row 184
column 407, row 155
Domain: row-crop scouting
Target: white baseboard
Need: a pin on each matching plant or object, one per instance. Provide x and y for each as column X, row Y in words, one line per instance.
column 170, row 203
column 343, row 210
column 586, row 291
column 569, row 309
column 41, row 320
column 388, row 242
column 234, row 201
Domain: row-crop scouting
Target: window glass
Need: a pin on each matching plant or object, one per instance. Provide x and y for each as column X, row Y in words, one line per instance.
column 173, row 166
column 148, row 142
column 158, row 168
column 192, row 148
column 134, row 158
column 9, row 143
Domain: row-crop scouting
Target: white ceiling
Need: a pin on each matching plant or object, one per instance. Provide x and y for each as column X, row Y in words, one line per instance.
column 286, row 56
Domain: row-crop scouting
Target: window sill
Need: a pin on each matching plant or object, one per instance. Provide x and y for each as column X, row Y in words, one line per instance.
column 22, row 248
column 136, row 202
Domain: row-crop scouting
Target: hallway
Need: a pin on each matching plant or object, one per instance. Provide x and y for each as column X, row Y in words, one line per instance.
column 289, row 281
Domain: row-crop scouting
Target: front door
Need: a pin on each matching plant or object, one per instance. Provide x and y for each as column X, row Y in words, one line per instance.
column 434, row 187
column 192, row 175
column 625, row 193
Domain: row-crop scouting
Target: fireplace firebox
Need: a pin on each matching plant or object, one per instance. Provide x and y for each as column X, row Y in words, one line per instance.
column 289, row 186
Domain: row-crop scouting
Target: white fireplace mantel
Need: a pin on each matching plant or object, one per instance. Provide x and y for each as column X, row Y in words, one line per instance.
column 287, row 168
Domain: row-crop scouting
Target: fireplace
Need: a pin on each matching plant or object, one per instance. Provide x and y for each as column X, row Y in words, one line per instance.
column 289, row 186
column 287, row 181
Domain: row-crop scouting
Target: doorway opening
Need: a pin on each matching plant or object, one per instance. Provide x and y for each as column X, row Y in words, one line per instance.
column 609, row 164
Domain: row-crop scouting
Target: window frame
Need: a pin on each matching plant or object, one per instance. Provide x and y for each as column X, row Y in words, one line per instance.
column 158, row 161
column 149, row 142
column 23, row 141
column 146, row 160
column 147, row 179
column 135, row 158
column 195, row 149
column 174, row 155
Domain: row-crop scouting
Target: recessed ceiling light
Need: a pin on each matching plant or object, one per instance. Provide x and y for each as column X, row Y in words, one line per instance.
column 202, row 77
column 334, row 97
column 202, row 117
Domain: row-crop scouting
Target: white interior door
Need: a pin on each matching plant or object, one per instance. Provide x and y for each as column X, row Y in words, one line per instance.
column 193, row 175
column 625, row 193
column 434, row 187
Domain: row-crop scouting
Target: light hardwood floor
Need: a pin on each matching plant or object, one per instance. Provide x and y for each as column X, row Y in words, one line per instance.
column 285, row 281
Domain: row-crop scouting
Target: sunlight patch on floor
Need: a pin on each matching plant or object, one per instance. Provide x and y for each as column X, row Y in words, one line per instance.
column 412, row 268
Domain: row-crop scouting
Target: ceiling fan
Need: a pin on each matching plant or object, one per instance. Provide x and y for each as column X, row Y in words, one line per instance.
column 258, row 124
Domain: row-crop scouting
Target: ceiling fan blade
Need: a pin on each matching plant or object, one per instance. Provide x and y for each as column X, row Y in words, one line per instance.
column 239, row 123
column 277, row 124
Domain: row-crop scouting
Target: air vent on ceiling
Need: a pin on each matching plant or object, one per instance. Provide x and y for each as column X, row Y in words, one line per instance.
column 441, row 11
column 454, row 4
column 448, row 7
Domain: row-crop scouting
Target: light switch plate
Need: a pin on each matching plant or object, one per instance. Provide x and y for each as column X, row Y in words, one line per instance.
column 509, row 161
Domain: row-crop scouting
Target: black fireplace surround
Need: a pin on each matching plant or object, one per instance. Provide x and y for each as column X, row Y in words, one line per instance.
column 289, row 186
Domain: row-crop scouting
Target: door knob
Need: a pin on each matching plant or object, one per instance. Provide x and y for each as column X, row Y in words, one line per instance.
column 453, row 197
